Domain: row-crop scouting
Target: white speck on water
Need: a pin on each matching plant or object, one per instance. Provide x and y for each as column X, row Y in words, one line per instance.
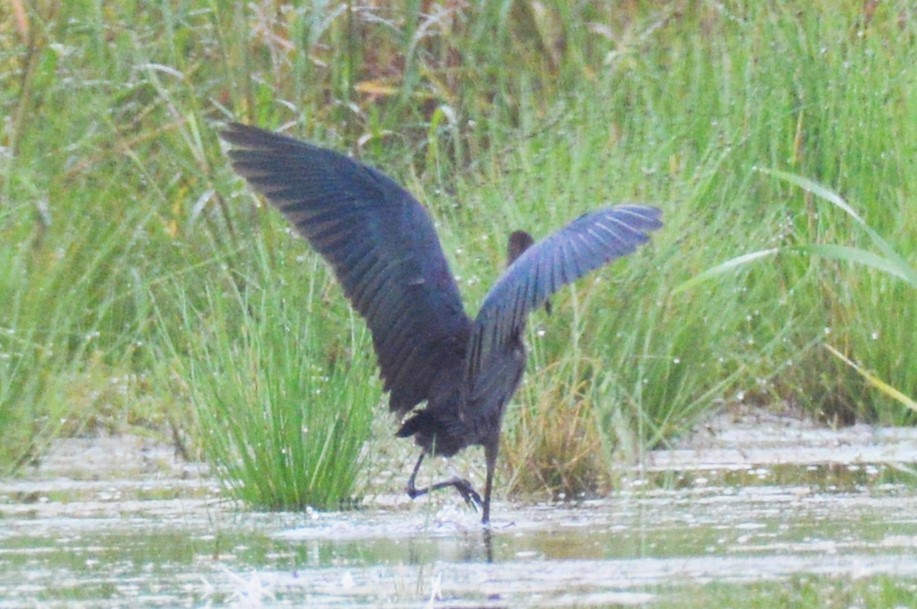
column 347, row 582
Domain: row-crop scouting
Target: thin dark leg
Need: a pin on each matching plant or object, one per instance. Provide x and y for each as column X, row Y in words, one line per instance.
column 490, row 456
column 464, row 487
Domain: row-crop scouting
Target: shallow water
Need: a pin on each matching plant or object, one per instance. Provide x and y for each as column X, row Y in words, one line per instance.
column 107, row 522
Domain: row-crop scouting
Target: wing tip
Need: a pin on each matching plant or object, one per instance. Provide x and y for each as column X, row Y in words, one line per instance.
column 249, row 137
column 238, row 134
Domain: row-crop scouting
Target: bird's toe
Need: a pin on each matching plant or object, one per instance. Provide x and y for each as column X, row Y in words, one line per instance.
column 471, row 496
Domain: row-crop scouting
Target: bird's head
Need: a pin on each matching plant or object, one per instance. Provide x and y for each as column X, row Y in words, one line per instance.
column 518, row 242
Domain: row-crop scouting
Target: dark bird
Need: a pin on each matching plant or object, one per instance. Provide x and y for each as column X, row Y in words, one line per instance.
column 385, row 253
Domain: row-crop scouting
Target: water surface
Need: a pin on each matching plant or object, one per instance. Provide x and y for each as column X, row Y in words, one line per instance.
column 107, row 522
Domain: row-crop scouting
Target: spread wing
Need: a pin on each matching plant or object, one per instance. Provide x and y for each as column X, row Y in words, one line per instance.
column 587, row 243
column 381, row 245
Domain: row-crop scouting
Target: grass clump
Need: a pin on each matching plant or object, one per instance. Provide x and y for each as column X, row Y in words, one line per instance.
column 283, row 393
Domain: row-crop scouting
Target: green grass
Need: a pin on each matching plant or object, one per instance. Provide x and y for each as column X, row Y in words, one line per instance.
column 156, row 267
column 281, row 410
column 67, row 333
column 801, row 591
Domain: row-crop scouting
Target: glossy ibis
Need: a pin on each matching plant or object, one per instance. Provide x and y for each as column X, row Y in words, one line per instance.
column 384, row 250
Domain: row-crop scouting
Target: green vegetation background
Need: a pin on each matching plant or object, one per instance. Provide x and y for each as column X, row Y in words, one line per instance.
column 143, row 287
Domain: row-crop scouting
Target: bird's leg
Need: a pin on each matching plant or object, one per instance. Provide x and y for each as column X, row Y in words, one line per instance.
column 412, row 491
column 490, row 456
column 464, row 487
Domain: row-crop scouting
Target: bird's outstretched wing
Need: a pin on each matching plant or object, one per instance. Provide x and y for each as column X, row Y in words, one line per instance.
column 587, row 243
column 381, row 244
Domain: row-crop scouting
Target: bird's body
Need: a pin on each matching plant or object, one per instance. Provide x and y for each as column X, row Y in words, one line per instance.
column 384, row 250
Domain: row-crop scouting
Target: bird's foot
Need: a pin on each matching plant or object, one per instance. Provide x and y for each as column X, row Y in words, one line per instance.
column 471, row 496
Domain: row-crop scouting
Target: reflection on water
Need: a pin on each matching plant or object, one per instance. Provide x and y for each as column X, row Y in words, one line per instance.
column 156, row 531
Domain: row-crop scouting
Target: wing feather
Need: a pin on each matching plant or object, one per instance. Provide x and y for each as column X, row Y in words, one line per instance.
column 381, row 244
column 587, row 243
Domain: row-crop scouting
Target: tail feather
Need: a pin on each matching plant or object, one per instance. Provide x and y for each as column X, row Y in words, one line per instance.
column 434, row 434
column 419, row 422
